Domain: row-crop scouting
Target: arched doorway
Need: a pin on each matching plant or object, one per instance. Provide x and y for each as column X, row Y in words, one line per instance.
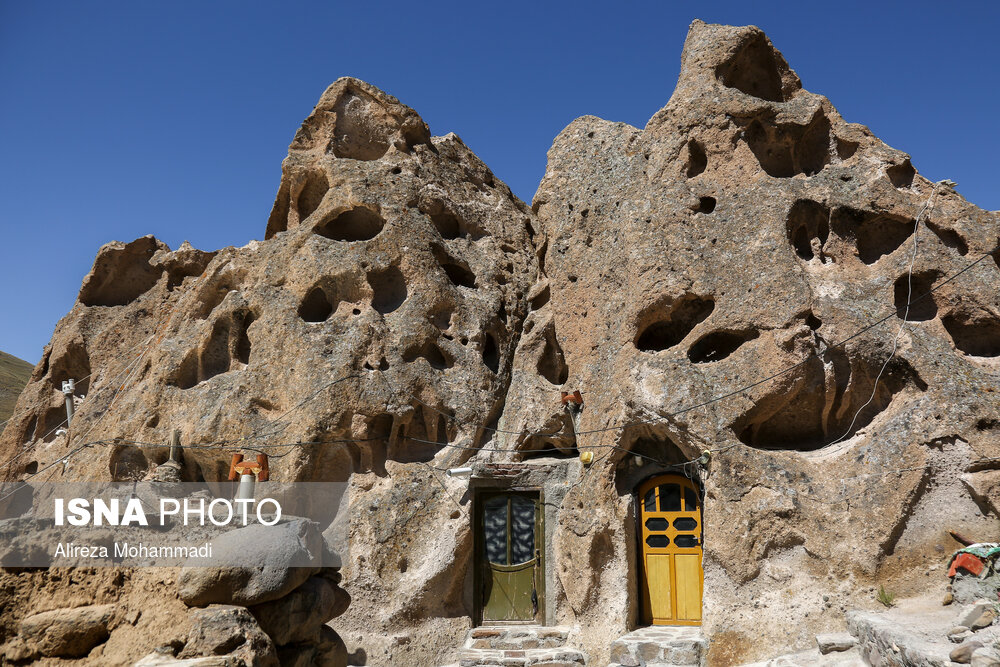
column 671, row 550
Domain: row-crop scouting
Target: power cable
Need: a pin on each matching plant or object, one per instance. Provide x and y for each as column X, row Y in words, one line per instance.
column 902, row 325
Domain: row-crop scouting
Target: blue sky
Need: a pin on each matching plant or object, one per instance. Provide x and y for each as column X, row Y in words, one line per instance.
column 120, row 119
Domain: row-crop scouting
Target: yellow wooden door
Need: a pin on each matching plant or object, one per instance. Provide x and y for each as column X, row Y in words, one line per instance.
column 670, row 514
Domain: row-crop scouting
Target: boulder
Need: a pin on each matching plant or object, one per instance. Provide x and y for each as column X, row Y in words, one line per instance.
column 835, row 642
column 985, row 657
column 985, row 619
column 329, row 652
column 332, row 650
column 973, row 613
column 225, row 630
column 274, row 561
column 67, row 633
column 298, row 616
column 962, row 653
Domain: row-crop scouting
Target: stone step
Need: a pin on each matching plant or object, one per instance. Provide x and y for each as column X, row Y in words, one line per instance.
column 539, row 657
column 516, row 637
column 892, row 637
column 813, row 658
column 660, row 644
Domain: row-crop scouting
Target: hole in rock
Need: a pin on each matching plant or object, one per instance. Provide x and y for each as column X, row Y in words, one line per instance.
column 311, row 195
column 812, row 321
column 901, row 175
column 753, row 69
column 846, row 149
column 213, row 291
column 229, row 341
column 985, row 424
column 922, row 305
column 819, row 404
column 421, row 438
column 431, row 352
column 450, row 224
column 784, row 150
column 548, row 448
column 45, row 364
column 215, row 358
column 458, row 272
column 389, row 287
column 185, row 375
column 950, row 238
column 121, row 275
column 697, row 161
column 357, row 224
column 812, row 151
column 30, row 468
column 719, row 345
column 72, row 364
column 315, row 307
column 31, row 430
column 808, row 228
column 541, row 298
column 362, row 127
column 529, row 229
column 669, row 324
column 242, row 345
column 706, row 204
column 277, row 222
column 552, row 363
column 52, row 420
column 975, row 333
column 874, row 234
column 491, row 353
column 128, row 464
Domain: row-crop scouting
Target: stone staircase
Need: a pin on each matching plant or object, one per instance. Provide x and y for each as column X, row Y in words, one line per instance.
column 519, row 646
column 660, row 646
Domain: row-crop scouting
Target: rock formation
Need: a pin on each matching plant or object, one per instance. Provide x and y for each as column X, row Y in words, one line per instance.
column 733, row 277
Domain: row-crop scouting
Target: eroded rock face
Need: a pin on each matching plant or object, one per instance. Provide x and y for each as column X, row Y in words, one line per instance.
column 733, row 242
column 703, row 280
column 381, row 310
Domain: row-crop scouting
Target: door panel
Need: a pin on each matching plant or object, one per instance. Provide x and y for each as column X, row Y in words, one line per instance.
column 670, row 518
column 510, row 537
column 658, row 569
column 509, row 593
column 688, row 569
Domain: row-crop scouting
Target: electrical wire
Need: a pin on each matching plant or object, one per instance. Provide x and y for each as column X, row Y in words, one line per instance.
column 902, row 325
column 130, row 369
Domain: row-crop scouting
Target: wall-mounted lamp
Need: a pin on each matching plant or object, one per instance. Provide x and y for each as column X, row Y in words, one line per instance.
column 462, row 473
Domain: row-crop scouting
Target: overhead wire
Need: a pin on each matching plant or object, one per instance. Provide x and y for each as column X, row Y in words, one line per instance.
column 272, row 431
column 902, row 325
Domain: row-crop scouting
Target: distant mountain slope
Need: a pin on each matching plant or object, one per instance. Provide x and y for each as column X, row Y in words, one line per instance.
column 14, row 374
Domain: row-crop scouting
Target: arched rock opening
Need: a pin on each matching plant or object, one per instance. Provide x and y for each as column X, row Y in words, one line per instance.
column 666, row 323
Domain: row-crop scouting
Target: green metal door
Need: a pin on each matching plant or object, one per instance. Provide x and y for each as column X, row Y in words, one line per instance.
column 511, row 554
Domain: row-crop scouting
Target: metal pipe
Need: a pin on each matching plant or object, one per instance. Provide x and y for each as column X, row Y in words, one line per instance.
column 175, row 446
column 246, row 490
column 68, row 387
